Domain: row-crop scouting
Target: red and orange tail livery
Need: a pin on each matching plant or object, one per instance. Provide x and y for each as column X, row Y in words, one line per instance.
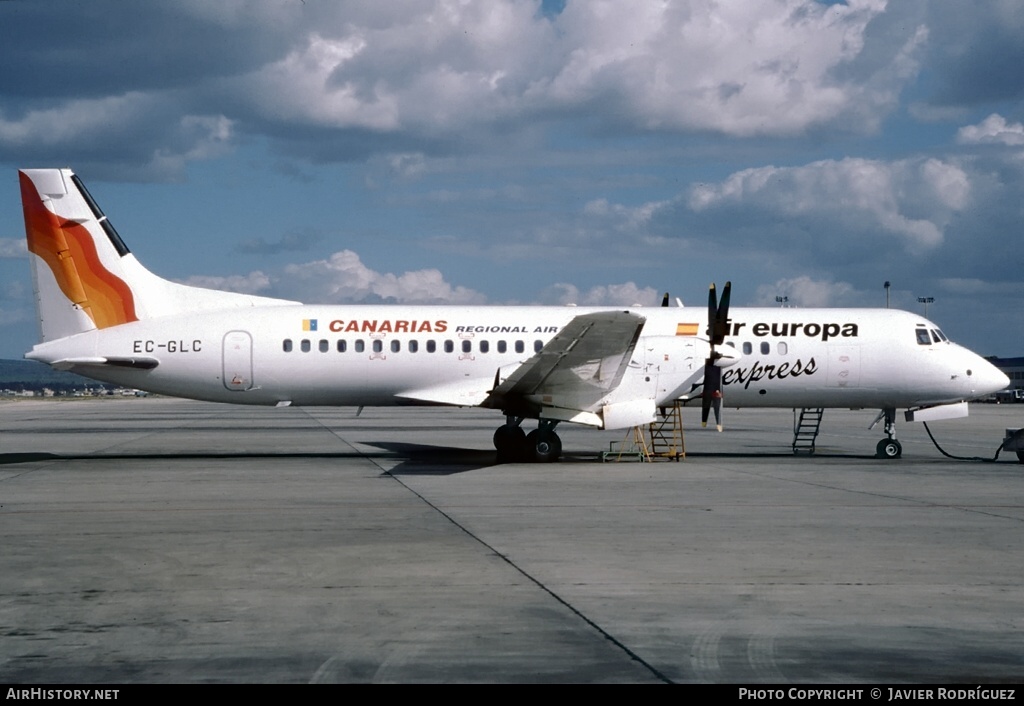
column 85, row 277
column 61, row 227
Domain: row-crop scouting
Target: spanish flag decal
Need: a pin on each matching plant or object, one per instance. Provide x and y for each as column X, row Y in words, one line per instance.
column 687, row 329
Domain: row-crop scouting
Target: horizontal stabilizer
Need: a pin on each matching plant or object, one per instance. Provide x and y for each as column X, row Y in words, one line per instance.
column 93, row 361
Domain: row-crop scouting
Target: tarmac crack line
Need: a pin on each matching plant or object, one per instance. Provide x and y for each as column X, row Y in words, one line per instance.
column 508, row 561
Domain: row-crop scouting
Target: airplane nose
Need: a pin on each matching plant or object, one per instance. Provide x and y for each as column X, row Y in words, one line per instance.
column 985, row 378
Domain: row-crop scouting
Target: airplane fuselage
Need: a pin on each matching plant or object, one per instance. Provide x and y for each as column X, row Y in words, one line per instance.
column 104, row 315
column 376, row 355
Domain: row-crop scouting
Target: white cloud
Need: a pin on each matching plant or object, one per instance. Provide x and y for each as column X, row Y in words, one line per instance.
column 142, row 129
column 72, row 120
column 403, row 76
column 406, row 66
column 626, row 294
column 775, row 67
column 807, row 292
column 253, row 283
column 344, row 278
column 992, row 130
column 299, row 88
column 880, row 193
column 967, row 286
column 13, row 247
column 738, row 68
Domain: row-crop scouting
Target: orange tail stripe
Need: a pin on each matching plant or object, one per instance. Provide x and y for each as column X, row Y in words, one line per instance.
column 68, row 249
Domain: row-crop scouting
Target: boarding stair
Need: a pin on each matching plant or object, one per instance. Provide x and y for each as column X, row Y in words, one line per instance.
column 805, row 429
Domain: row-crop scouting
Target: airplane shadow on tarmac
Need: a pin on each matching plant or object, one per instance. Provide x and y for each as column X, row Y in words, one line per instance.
column 419, row 459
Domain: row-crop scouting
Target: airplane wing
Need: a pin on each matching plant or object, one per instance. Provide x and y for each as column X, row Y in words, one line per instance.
column 577, row 367
column 468, row 393
column 580, row 365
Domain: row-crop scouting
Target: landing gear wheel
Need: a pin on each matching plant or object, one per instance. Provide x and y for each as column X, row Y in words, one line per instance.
column 510, row 441
column 889, row 448
column 543, row 446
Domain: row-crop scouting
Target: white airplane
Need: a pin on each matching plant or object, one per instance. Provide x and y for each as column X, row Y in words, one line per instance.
column 103, row 315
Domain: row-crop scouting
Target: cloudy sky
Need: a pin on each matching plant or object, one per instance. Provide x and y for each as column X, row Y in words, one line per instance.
column 518, row 151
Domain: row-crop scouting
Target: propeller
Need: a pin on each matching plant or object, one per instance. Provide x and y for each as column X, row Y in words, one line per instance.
column 718, row 328
column 664, row 300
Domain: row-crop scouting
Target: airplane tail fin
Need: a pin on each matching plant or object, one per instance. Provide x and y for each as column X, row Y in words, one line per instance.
column 85, row 277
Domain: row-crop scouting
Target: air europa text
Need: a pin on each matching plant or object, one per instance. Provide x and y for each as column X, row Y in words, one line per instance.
column 812, row 330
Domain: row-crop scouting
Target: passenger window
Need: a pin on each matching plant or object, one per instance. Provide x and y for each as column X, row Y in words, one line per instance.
column 449, row 346
column 414, row 346
column 485, row 346
column 287, row 345
column 502, row 346
column 342, row 346
column 378, row 345
column 467, row 346
column 783, row 348
column 325, row 345
column 748, row 348
column 923, row 338
column 396, row 345
column 431, row 346
column 360, row 346
column 520, row 346
column 766, row 348
column 305, row 345
column 537, row 346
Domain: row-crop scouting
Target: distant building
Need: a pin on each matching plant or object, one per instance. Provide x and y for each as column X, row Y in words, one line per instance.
column 1013, row 368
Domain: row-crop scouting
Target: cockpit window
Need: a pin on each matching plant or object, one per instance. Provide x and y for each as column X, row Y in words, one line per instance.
column 923, row 338
column 935, row 336
column 941, row 335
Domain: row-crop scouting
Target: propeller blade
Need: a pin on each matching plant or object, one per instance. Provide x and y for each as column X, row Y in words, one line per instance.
column 664, row 300
column 719, row 320
column 718, row 329
column 712, row 312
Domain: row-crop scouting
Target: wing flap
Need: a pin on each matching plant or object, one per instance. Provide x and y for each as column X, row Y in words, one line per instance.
column 467, row 393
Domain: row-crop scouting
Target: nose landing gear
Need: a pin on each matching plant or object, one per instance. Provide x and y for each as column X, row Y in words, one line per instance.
column 888, row 447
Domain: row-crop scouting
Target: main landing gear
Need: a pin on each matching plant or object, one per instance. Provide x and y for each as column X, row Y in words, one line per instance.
column 541, row 445
column 888, row 447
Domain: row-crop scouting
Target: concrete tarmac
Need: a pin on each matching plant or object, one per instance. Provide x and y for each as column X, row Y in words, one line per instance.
column 158, row 540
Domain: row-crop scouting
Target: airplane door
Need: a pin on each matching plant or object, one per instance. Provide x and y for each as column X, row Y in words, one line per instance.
column 238, row 360
column 673, row 364
column 843, row 366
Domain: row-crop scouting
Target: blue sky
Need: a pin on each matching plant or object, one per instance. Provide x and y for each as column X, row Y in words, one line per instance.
column 502, row 151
